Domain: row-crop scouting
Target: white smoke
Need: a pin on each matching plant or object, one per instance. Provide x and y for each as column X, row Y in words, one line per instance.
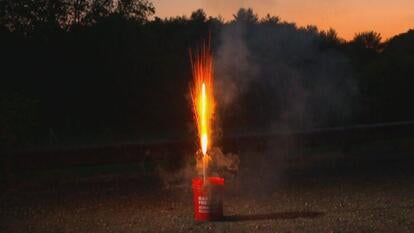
column 306, row 86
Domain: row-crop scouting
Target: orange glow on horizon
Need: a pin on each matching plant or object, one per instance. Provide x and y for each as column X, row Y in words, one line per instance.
column 347, row 17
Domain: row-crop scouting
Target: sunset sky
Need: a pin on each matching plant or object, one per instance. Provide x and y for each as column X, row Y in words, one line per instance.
column 389, row 17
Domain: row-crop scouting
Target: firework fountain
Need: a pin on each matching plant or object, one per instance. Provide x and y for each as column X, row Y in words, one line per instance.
column 207, row 190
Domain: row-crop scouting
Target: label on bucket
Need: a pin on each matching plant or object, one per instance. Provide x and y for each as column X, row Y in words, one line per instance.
column 207, row 205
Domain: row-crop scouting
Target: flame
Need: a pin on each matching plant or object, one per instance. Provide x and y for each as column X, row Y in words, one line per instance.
column 202, row 95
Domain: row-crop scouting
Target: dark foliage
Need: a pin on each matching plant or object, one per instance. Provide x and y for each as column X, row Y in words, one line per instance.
column 82, row 71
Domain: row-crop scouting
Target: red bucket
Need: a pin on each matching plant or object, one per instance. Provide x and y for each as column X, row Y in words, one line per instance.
column 208, row 199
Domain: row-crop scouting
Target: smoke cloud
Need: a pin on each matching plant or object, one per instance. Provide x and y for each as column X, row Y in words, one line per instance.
column 234, row 69
column 282, row 77
column 274, row 78
column 219, row 164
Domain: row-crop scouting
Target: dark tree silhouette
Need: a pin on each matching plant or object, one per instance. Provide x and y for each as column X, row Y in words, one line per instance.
column 369, row 40
column 138, row 10
column 246, row 16
column 198, row 15
column 330, row 39
column 29, row 15
column 269, row 19
column 103, row 71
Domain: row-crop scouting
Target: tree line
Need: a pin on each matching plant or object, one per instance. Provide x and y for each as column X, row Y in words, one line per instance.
column 84, row 71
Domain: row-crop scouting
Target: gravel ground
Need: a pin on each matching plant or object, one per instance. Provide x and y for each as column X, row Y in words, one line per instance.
column 351, row 203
